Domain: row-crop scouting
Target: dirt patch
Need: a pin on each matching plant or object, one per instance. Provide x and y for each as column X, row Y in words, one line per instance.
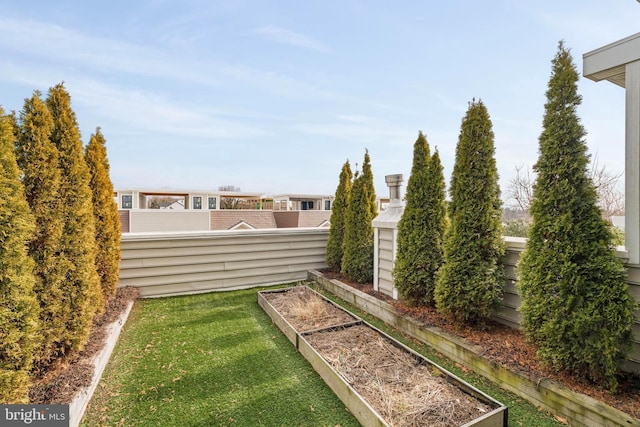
column 68, row 375
column 404, row 389
column 509, row 348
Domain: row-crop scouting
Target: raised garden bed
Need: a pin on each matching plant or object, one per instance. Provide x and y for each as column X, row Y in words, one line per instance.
column 576, row 408
column 381, row 381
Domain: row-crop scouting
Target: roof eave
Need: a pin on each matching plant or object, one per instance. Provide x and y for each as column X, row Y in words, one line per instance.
column 609, row 62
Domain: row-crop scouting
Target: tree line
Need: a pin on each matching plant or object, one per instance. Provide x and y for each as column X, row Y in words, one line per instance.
column 576, row 307
column 59, row 238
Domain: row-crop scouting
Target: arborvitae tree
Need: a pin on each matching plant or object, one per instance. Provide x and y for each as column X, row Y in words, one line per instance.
column 367, row 173
column 575, row 303
column 357, row 258
column 471, row 281
column 18, row 305
column 82, row 296
column 38, row 160
column 421, row 228
column 15, row 126
column 338, row 214
column 105, row 214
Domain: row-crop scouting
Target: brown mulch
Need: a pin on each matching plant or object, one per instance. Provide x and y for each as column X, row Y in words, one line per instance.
column 63, row 380
column 508, row 347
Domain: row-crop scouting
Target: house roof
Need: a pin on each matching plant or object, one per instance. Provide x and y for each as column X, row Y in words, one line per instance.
column 228, row 219
column 313, row 218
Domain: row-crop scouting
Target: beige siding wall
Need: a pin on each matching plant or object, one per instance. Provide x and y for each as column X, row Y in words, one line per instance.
column 385, row 260
column 508, row 312
column 181, row 263
column 153, row 220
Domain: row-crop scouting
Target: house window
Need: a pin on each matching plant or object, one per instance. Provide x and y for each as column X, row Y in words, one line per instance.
column 212, row 202
column 197, row 202
column 127, row 201
column 307, row 205
column 327, row 205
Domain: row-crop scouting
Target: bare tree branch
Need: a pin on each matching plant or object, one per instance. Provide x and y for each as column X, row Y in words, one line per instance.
column 606, row 183
column 521, row 189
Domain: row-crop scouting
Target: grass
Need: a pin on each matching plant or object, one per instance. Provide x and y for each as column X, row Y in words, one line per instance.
column 212, row 359
column 217, row 359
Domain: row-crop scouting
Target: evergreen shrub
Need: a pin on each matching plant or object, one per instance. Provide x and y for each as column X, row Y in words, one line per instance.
column 471, row 281
column 576, row 305
column 420, row 230
column 338, row 218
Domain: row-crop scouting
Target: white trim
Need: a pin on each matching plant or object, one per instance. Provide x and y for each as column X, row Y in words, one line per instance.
column 394, row 290
column 608, row 62
column 619, row 62
column 376, row 259
column 242, row 225
column 632, row 161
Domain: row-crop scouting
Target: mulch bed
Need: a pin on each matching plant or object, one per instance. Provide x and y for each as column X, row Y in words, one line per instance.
column 405, row 391
column 509, row 348
column 67, row 376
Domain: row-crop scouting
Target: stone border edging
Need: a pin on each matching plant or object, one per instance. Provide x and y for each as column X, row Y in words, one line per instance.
column 99, row 361
column 577, row 408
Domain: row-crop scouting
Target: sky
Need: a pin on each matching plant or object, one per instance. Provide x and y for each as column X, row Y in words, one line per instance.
column 274, row 96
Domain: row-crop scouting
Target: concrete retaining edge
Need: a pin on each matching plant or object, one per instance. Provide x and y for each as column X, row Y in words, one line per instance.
column 577, row 408
column 79, row 404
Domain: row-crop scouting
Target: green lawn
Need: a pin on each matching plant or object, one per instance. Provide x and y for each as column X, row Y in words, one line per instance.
column 210, row 360
column 216, row 359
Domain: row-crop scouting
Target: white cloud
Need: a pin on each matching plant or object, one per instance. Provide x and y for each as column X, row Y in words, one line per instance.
column 358, row 133
column 152, row 112
column 356, row 118
column 282, row 35
column 76, row 53
column 41, row 40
